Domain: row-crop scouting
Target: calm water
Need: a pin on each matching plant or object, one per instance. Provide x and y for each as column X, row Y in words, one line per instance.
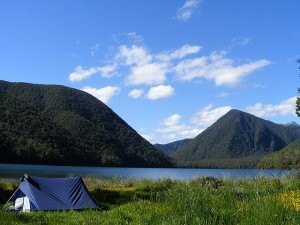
column 17, row 170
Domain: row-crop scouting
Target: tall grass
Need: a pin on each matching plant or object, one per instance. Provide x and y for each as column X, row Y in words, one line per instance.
column 198, row 201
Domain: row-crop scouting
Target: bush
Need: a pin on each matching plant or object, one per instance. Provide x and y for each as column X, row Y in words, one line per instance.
column 207, row 182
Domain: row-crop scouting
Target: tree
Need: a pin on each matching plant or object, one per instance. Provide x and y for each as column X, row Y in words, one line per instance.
column 298, row 99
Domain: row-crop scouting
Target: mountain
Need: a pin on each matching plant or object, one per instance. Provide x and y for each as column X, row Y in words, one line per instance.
column 236, row 136
column 51, row 124
column 171, row 147
column 286, row 158
column 292, row 124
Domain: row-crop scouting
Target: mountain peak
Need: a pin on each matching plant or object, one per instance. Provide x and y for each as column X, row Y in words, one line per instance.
column 237, row 134
column 236, row 112
column 292, row 124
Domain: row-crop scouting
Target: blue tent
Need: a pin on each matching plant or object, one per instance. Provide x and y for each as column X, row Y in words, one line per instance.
column 37, row 193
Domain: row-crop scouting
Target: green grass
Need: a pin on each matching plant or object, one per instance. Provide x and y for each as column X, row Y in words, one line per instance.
column 199, row 201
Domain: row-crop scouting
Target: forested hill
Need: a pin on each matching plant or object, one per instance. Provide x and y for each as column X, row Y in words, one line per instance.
column 172, row 146
column 51, row 124
column 286, row 158
column 237, row 135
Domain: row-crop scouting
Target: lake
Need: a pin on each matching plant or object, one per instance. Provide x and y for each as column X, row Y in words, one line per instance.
column 17, row 170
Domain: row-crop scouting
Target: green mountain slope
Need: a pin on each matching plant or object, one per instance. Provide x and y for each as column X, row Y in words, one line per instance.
column 286, row 158
column 237, row 135
column 51, row 124
column 171, row 147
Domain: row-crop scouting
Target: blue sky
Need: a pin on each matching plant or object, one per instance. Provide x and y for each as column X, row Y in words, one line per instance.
column 168, row 68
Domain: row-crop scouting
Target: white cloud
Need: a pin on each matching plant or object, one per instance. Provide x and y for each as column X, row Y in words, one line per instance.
column 149, row 69
column 207, row 116
column 108, row 70
column 185, row 12
column 149, row 74
column 172, row 120
column 161, row 91
column 172, row 130
column 190, row 133
column 231, row 75
column 81, row 74
column 145, row 68
column 286, row 107
column 142, row 68
column 180, row 53
column 168, row 137
column 218, row 68
column 104, row 94
column 94, row 49
column 134, row 55
column 179, row 132
column 136, row 93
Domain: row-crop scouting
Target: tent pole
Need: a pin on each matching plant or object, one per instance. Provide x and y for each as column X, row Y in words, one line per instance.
column 12, row 195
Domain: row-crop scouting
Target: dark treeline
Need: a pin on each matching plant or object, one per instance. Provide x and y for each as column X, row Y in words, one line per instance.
column 50, row 124
column 237, row 163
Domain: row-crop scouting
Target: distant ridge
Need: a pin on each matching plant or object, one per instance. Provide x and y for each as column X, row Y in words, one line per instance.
column 52, row 124
column 171, row 147
column 237, row 135
column 286, row 158
column 292, row 124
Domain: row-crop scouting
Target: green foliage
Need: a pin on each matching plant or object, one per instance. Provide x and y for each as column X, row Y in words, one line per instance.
column 207, row 182
column 298, row 105
column 238, row 163
column 6, row 190
column 237, row 139
column 257, row 201
column 50, row 124
column 287, row 158
column 172, row 147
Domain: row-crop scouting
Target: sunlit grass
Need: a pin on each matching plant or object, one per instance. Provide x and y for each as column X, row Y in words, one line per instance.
column 197, row 201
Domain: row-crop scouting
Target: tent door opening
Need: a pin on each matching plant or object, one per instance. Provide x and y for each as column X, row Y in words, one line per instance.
column 22, row 204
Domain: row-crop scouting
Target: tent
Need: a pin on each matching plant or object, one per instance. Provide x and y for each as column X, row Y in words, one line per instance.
column 37, row 193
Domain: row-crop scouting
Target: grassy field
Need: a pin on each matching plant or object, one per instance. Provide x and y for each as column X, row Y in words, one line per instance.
column 198, row 201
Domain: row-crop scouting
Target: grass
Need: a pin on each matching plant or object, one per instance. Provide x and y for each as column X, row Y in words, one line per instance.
column 198, row 201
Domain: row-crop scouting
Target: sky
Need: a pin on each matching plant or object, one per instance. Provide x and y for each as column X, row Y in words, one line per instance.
column 169, row 68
